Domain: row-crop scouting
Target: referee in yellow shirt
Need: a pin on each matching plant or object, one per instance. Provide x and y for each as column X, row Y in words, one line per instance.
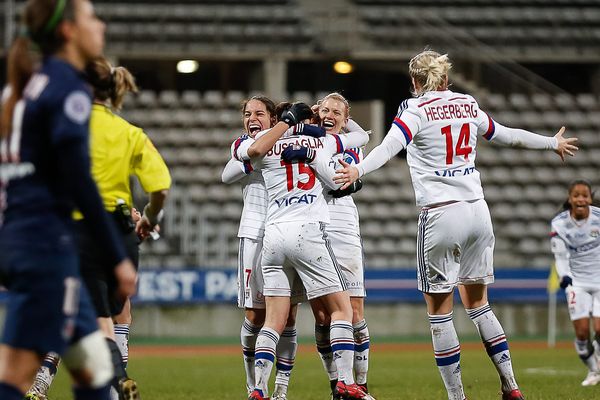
column 117, row 151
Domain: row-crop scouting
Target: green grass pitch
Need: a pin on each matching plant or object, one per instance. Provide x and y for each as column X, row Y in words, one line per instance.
column 401, row 372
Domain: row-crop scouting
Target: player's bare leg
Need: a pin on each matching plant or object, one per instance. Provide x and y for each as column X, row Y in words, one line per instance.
column 475, row 300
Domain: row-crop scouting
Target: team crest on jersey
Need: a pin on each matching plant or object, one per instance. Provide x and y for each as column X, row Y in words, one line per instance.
column 595, row 233
column 78, row 107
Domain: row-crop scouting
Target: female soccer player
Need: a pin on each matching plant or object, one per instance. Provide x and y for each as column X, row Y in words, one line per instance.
column 333, row 112
column 575, row 240
column 455, row 240
column 45, row 171
column 295, row 246
column 118, row 150
column 258, row 113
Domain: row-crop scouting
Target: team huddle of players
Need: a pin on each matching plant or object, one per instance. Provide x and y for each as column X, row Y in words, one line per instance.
column 300, row 240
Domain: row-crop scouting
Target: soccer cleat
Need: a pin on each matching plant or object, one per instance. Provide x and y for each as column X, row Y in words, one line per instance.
column 350, row 392
column 592, row 379
column 513, row 395
column 257, row 395
column 35, row 396
column 280, row 392
column 365, row 389
column 128, row 389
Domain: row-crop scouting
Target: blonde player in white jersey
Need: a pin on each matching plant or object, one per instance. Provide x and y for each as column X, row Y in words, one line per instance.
column 258, row 114
column 455, row 240
column 295, row 243
column 333, row 113
column 575, row 240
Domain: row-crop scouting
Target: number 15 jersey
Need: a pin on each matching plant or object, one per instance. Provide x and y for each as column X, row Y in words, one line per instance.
column 295, row 190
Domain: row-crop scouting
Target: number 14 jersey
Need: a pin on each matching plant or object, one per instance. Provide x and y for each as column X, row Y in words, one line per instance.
column 440, row 129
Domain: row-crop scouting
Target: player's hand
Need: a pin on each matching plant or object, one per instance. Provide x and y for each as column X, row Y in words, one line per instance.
column 135, row 215
column 297, row 113
column 126, row 278
column 353, row 188
column 298, row 153
column 346, row 175
column 565, row 282
column 565, row 145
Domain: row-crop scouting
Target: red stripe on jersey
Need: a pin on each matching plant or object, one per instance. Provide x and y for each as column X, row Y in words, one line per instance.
column 404, row 128
column 338, row 142
column 458, row 98
column 430, row 101
column 491, row 128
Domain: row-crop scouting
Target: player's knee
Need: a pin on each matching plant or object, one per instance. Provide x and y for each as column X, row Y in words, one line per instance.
column 256, row 316
column 89, row 361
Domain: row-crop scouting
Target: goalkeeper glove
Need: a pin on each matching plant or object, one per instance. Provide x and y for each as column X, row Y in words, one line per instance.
column 297, row 113
column 353, row 188
column 566, row 281
column 298, row 153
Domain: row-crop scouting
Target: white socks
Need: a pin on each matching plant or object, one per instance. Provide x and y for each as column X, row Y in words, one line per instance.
column 446, row 350
column 361, row 351
column 341, row 336
column 264, row 358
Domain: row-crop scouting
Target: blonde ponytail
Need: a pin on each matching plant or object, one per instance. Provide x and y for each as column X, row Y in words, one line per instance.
column 110, row 83
column 123, row 82
column 429, row 69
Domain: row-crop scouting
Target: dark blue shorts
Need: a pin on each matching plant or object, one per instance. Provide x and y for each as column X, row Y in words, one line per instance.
column 48, row 307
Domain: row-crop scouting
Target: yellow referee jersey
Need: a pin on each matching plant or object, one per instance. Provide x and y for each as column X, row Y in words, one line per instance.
column 119, row 150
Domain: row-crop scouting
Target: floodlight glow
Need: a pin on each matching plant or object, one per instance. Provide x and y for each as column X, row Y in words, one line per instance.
column 187, row 66
column 343, row 67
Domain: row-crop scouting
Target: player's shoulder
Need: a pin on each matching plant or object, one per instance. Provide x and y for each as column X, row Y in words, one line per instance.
column 595, row 211
column 238, row 140
column 560, row 218
column 409, row 103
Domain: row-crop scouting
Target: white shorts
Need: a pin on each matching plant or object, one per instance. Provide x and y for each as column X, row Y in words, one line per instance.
column 347, row 247
column 455, row 245
column 299, row 251
column 583, row 302
column 250, row 280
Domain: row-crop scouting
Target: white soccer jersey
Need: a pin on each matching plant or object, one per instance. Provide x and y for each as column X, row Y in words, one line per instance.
column 254, row 195
column 441, row 129
column 576, row 247
column 294, row 192
column 343, row 212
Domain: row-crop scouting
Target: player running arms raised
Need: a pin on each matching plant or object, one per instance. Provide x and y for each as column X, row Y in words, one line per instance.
column 439, row 129
column 575, row 240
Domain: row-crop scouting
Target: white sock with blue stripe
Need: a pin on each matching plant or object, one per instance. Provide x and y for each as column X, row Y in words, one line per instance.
column 286, row 355
column 122, row 340
column 362, row 342
column 495, row 343
column 446, row 350
column 341, row 336
column 248, row 335
column 324, row 349
column 264, row 358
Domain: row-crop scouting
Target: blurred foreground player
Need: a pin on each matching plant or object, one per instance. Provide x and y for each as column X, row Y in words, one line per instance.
column 44, row 174
column 118, row 150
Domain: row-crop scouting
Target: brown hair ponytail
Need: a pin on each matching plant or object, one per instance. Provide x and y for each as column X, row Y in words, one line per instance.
column 110, row 83
column 39, row 24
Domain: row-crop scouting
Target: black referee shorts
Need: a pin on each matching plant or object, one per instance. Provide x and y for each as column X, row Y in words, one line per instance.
column 97, row 271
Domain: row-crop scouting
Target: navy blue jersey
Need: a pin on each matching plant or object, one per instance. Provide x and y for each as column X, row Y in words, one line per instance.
column 48, row 173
